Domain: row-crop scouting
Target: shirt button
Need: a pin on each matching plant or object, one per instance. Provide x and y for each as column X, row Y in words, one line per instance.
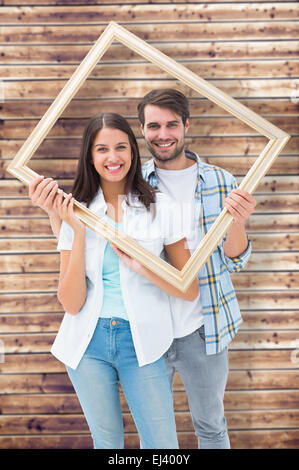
column 113, row 322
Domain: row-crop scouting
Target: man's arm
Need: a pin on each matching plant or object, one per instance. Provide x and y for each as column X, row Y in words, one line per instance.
column 240, row 204
column 42, row 193
column 236, row 240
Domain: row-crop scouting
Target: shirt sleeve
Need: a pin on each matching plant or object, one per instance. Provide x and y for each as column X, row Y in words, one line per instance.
column 237, row 263
column 66, row 237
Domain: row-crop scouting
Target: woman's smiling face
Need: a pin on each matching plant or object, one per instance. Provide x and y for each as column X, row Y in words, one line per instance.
column 111, row 154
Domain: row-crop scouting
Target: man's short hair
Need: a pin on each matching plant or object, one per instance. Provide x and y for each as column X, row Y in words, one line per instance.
column 165, row 98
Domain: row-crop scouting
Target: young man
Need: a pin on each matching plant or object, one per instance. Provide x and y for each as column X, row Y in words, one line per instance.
column 202, row 328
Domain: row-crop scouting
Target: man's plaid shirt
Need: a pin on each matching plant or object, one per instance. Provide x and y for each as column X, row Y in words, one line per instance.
column 222, row 317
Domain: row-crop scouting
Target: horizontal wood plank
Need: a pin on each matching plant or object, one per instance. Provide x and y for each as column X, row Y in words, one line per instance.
column 14, row 303
column 73, row 53
column 84, row 108
column 28, row 283
column 240, row 439
column 270, row 319
column 76, row 423
column 264, row 223
column 34, row 322
column 266, row 281
column 100, row 2
column 31, row 363
column 261, row 359
column 273, row 241
column 151, row 32
column 257, row 379
column 57, row 442
column 201, row 127
column 265, row 340
column 207, row 70
column 133, row 13
column 96, row 88
column 262, row 300
column 266, row 439
column 27, row 245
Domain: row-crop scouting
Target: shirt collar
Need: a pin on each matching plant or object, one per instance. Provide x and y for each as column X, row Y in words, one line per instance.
column 98, row 204
column 151, row 167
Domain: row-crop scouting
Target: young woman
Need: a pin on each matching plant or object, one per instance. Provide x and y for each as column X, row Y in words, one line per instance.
column 118, row 323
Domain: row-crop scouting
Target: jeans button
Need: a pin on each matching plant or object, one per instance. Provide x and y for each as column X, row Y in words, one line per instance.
column 113, row 323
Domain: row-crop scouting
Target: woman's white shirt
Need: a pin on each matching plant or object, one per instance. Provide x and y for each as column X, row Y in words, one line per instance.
column 148, row 307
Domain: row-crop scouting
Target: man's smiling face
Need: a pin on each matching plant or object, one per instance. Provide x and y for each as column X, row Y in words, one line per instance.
column 164, row 133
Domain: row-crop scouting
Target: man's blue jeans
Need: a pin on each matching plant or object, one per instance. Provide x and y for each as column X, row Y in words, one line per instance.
column 109, row 358
column 204, row 378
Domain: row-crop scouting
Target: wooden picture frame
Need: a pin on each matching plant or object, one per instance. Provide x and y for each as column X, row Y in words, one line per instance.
column 277, row 140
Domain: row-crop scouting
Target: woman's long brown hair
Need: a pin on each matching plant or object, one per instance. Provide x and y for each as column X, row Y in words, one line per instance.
column 87, row 179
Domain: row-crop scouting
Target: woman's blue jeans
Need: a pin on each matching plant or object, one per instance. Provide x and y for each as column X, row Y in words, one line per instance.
column 110, row 358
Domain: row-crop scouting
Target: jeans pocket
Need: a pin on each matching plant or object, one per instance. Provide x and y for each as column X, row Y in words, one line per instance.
column 201, row 332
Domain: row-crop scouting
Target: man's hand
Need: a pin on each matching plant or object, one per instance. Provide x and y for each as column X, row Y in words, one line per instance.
column 240, row 204
column 42, row 193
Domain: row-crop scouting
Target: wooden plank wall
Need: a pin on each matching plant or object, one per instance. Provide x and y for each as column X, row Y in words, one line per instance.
column 249, row 50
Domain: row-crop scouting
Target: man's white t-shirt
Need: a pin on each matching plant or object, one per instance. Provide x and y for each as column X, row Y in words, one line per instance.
column 180, row 186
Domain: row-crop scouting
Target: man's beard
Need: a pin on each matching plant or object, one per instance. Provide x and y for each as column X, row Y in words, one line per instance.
column 174, row 155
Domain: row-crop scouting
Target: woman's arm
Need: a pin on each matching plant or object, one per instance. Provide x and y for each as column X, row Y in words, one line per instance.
column 72, row 281
column 71, row 291
column 55, row 222
column 178, row 256
column 42, row 193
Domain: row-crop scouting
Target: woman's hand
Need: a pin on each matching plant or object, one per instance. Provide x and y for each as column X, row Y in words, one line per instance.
column 42, row 193
column 130, row 262
column 178, row 256
column 65, row 210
